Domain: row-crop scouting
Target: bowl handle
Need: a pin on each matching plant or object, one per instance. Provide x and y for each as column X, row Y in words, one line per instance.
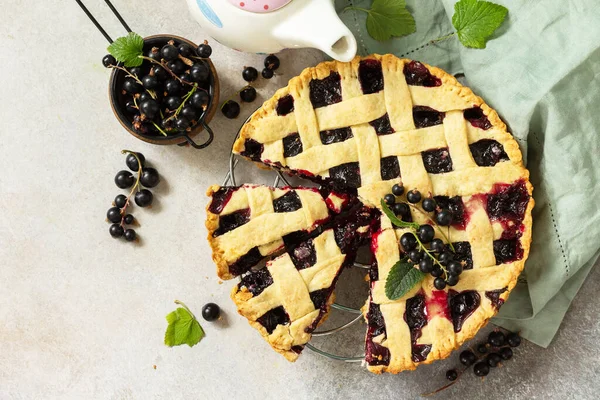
column 211, row 136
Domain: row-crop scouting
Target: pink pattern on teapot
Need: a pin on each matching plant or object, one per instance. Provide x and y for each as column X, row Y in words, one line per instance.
column 259, row 6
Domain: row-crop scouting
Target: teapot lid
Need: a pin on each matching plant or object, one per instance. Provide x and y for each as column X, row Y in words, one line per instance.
column 259, row 6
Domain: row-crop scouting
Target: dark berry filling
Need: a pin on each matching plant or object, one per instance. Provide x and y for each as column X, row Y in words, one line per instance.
column 494, row 296
column 488, row 152
column 508, row 202
column 374, row 271
column 416, row 318
column 426, row 116
column 231, row 221
column 319, row 298
column 245, row 262
column 477, row 118
column 292, row 145
column 375, row 353
column 507, row 250
column 456, row 206
column 274, row 317
column 293, row 238
column 348, row 174
column 304, row 255
column 418, row 75
column 370, row 76
column 437, row 161
column 285, row 105
column 256, row 282
column 390, row 168
column 297, row 349
column 220, row 198
column 252, row 149
column 462, row 254
column 346, row 232
column 335, row 135
column 382, row 125
column 287, row 203
column 324, row 92
column 462, row 305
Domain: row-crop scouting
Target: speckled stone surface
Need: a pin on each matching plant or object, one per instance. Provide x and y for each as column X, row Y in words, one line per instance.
column 82, row 315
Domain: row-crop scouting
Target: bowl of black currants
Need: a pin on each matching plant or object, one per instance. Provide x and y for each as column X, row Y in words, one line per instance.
column 171, row 97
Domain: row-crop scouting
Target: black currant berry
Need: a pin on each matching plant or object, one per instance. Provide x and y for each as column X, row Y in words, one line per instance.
column 130, row 235
column 267, row 73
column 145, row 96
column 160, row 72
column 426, row 265
column 189, row 112
column 389, row 199
column 249, row 74
column 204, row 50
column 120, row 200
column 428, row 204
column 199, row 72
column 451, row 375
column 154, row 54
column 445, row 257
column 437, row 271
column 128, row 219
column 137, row 71
column 513, row 339
column 414, row 196
column 454, row 267
column 108, row 60
column 439, row 283
column 185, row 77
column 425, row 233
column 132, row 87
column 452, row 280
column 401, row 209
column 173, row 102
column 149, row 108
column 230, row 109
column 248, row 94
column 150, row 81
column 173, row 87
column 149, row 177
column 131, row 107
column 506, row 353
column 176, row 66
column 437, row 245
column 182, row 123
column 444, row 218
column 185, row 50
column 199, row 99
column 408, row 241
column 114, row 214
column 482, row 348
column 211, row 311
column 132, row 162
column 115, row 230
column 493, row 359
column 481, row 369
column 144, row 198
column 124, row 179
column 169, row 52
column 398, row 190
column 467, row 358
column 272, row 62
column 415, row 255
column 496, row 339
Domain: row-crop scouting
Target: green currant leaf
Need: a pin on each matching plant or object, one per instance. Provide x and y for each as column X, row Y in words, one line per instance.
column 475, row 21
column 402, row 278
column 127, row 49
column 183, row 328
column 395, row 220
column 387, row 18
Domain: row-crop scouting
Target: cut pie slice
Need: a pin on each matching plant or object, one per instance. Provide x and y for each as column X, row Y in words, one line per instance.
column 250, row 222
column 286, row 300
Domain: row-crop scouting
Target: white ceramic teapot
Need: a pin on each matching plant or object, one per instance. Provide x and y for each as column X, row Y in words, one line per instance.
column 268, row 26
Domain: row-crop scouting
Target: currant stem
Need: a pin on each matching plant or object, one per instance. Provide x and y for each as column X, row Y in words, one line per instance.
column 181, row 303
column 234, row 95
column 137, row 182
column 160, row 129
column 152, row 94
column 435, row 260
column 442, row 38
column 445, row 386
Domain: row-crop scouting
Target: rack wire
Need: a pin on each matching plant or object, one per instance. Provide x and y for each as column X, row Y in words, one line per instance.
column 281, row 180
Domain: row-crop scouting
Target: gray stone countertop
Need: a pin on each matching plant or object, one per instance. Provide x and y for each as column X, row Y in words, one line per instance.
column 82, row 315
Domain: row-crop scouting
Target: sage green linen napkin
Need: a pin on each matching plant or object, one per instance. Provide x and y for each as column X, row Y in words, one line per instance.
column 541, row 72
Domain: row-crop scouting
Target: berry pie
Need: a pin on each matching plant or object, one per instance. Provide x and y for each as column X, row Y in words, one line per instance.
column 374, row 130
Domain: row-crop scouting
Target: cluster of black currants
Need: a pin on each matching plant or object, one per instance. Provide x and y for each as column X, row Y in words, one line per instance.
column 438, row 259
column 147, row 177
column 498, row 348
column 231, row 108
column 168, row 93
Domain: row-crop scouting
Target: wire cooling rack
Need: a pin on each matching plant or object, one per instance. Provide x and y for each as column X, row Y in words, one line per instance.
column 281, row 180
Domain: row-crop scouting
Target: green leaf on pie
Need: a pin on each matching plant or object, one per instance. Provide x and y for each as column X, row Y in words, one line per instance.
column 401, row 279
column 183, row 328
column 387, row 18
column 475, row 21
column 395, row 220
column 127, row 49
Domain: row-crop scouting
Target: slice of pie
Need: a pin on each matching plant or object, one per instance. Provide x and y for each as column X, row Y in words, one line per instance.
column 375, row 122
column 247, row 223
column 286, row 300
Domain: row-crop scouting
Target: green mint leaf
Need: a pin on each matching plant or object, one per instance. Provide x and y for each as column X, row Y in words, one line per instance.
column 183, row 328
column 127, row 49
column 402, row 278
column 395, row 220
column 475, row 21
column 388, row 18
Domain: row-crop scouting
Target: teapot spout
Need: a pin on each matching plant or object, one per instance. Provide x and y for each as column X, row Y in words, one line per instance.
column 316, row 24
